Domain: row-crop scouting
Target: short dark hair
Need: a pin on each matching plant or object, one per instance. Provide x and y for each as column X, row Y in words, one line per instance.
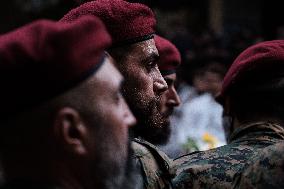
column 258, row 98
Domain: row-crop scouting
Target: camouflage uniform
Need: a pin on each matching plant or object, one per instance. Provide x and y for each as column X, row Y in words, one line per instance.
column 156, row 167
column 267, row 172
column 216, row 168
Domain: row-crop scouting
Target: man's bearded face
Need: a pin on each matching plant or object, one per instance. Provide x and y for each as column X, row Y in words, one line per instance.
column 142, row 89
column 152, row 125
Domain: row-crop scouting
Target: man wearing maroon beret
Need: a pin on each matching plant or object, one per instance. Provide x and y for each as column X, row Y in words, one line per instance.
column 252, row 93
column 62, row 114
column 168, row 62
column 131, row 26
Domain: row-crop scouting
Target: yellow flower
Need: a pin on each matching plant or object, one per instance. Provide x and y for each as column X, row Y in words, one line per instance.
column 210, row 139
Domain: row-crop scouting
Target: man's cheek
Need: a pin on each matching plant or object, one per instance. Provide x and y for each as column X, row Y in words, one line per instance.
column 162, row 104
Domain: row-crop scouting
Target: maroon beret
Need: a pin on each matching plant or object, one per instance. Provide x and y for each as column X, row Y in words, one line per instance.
column 126, row 22
column 43, row 59
column 262, row 61
column 170, row 57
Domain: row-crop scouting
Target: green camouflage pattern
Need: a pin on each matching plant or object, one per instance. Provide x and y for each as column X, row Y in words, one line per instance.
column 216, row 168
column 266, row 172
column 156, row 167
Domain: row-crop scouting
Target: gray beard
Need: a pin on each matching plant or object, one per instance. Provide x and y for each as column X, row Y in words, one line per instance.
column 132, row 178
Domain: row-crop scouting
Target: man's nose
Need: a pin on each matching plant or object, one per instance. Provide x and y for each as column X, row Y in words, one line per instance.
column 174, row 99
column 160, row 85
column 128, row 115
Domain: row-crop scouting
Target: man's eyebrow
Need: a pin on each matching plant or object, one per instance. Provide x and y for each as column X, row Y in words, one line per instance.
column 169, row 79
column 153, row 57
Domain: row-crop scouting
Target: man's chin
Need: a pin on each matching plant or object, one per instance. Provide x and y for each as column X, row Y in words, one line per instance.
column 151, row 126
column 166, row 118
column 154, row 135
column 167, row 113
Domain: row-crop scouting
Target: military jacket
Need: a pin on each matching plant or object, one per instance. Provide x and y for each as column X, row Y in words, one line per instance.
column 266, row 172
column 156, row 167
column 216, row 168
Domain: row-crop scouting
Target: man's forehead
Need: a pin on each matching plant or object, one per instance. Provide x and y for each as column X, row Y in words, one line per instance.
column 147, row 47
column 150, row 47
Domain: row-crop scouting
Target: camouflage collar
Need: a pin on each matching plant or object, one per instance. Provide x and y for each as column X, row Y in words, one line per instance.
column 258, row 131
column 161, row 157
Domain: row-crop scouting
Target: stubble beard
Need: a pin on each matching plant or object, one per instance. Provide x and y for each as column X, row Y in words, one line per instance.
column 108, row 171
column 151, row 126
column 113, row 174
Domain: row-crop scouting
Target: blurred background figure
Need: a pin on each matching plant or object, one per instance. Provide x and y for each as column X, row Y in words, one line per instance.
column 199, row 120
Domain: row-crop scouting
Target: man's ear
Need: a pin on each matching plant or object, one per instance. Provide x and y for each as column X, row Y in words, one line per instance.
column 70, row 130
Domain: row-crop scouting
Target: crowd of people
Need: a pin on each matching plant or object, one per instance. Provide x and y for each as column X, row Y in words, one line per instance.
column 98, row 99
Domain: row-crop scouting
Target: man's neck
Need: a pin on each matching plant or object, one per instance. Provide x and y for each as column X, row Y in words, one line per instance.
column 237, row 124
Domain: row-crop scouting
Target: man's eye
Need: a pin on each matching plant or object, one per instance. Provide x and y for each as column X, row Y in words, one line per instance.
column 118, row 97
column 169, row 82
column 151, row 65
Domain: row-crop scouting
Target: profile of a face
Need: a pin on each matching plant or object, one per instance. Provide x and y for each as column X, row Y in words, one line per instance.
column 144, row 86
column 170, row 99
column 108, row 124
